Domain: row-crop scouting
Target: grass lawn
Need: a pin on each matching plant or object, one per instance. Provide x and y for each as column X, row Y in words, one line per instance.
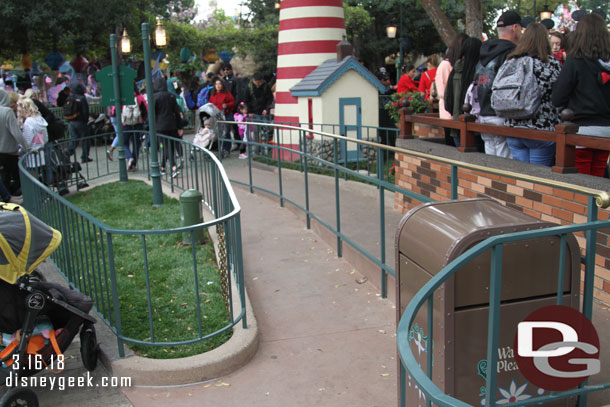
column 172, row 281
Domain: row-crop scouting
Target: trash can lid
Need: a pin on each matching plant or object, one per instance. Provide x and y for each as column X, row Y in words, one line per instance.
column 435, row 233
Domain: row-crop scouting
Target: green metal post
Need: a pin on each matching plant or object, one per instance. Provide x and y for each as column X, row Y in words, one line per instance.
column 380, row 168
column 454, row 182
column 190, row 204
column 306, row 170
column 337, row 200
column 493, row 325
column 152, row 131
column 117, row 104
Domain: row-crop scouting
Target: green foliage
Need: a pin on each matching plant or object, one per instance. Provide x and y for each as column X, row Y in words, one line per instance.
column 416, row 102
column 172, row 284
column 71, row 25
column 263, row 12
column 368, row 34
column 603, row 5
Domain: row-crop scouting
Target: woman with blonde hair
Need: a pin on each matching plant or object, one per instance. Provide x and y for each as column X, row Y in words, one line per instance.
column 584, row 87
column 34, row 132
column 534, row 43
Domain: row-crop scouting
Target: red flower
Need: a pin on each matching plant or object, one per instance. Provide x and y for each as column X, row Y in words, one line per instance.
column 411, row 98
column 395, row 104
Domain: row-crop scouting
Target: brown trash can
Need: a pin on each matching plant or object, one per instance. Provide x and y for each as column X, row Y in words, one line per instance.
column 432, row 235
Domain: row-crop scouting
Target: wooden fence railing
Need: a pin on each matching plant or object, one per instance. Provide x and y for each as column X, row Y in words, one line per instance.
column 564, row 136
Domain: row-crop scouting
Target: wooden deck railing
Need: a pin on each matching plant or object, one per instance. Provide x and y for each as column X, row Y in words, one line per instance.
column 564, row 136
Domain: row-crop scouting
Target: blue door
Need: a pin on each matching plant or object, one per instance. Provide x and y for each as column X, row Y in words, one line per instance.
column 350, row 124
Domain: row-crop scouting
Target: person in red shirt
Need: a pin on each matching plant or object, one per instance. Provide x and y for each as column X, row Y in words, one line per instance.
column 428, row 77
column 406, row 83
column 225, row 102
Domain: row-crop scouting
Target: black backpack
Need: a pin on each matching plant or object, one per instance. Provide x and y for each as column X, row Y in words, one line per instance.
column 71, row 108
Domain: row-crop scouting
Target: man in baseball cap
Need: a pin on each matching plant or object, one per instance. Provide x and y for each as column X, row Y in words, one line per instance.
column 492, row 56
column 509, row 18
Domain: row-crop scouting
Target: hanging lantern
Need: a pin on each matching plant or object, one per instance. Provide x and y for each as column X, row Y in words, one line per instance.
column 390, row 30
column 546, row 13
column 160, row 35
column 125, row 43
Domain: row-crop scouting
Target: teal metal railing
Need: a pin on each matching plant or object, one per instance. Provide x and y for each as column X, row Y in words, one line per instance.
column 305, row 149
column 86, row 256
column 312, row 151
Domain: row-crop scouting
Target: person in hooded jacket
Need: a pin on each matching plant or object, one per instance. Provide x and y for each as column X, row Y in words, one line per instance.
column 167, row 121
column 493, row 55
column 78, row 126
column 12, row 143
column 584, row 87
column 460, row 79
column 35, row 134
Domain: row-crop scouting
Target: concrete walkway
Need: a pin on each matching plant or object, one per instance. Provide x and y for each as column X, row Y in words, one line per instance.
column 327, row 338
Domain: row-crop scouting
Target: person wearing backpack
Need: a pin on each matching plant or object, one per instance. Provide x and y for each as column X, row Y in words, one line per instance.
column 534, row 45
column 191, row 94
column 133, row 117
column 76, row 112
column 584, row 87
column 167, row 112
column 493, row 55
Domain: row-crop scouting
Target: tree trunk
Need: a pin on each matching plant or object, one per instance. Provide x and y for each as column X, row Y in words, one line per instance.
column 440, row 20
column 474, row 18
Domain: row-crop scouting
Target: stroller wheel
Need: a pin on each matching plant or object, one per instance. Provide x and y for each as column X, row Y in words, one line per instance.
column 19, row 397
column 88, row 347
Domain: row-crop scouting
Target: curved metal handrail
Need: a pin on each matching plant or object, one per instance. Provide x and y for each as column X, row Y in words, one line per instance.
column 229, row 219
column 425, row 383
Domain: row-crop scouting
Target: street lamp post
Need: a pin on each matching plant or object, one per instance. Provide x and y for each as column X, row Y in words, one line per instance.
column 391, row 33
column 152, row 131
column 117, row 106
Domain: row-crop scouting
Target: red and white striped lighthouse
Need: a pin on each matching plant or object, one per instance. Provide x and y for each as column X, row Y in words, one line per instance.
column 309, row 33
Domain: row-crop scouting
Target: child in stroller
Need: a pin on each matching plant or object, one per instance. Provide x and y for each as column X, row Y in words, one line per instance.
column 206, row 136
column 30, row 305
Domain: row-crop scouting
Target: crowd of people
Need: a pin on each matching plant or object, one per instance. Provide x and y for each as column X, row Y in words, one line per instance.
column 28, row 124
column 568, row 70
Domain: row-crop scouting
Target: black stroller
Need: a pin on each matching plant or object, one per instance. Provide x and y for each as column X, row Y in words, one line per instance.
column 26, row 300
column 61, row 171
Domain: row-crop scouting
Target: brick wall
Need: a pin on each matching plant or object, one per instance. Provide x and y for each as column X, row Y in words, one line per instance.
column 433, row 179
column 423, row 131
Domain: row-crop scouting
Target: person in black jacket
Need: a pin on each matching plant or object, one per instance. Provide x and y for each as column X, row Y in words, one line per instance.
column 237, row 87
column 493, row 55
column 78, row 125
column 168, row 121
column 584, row 87
column 259, row 100
column 259, row 97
